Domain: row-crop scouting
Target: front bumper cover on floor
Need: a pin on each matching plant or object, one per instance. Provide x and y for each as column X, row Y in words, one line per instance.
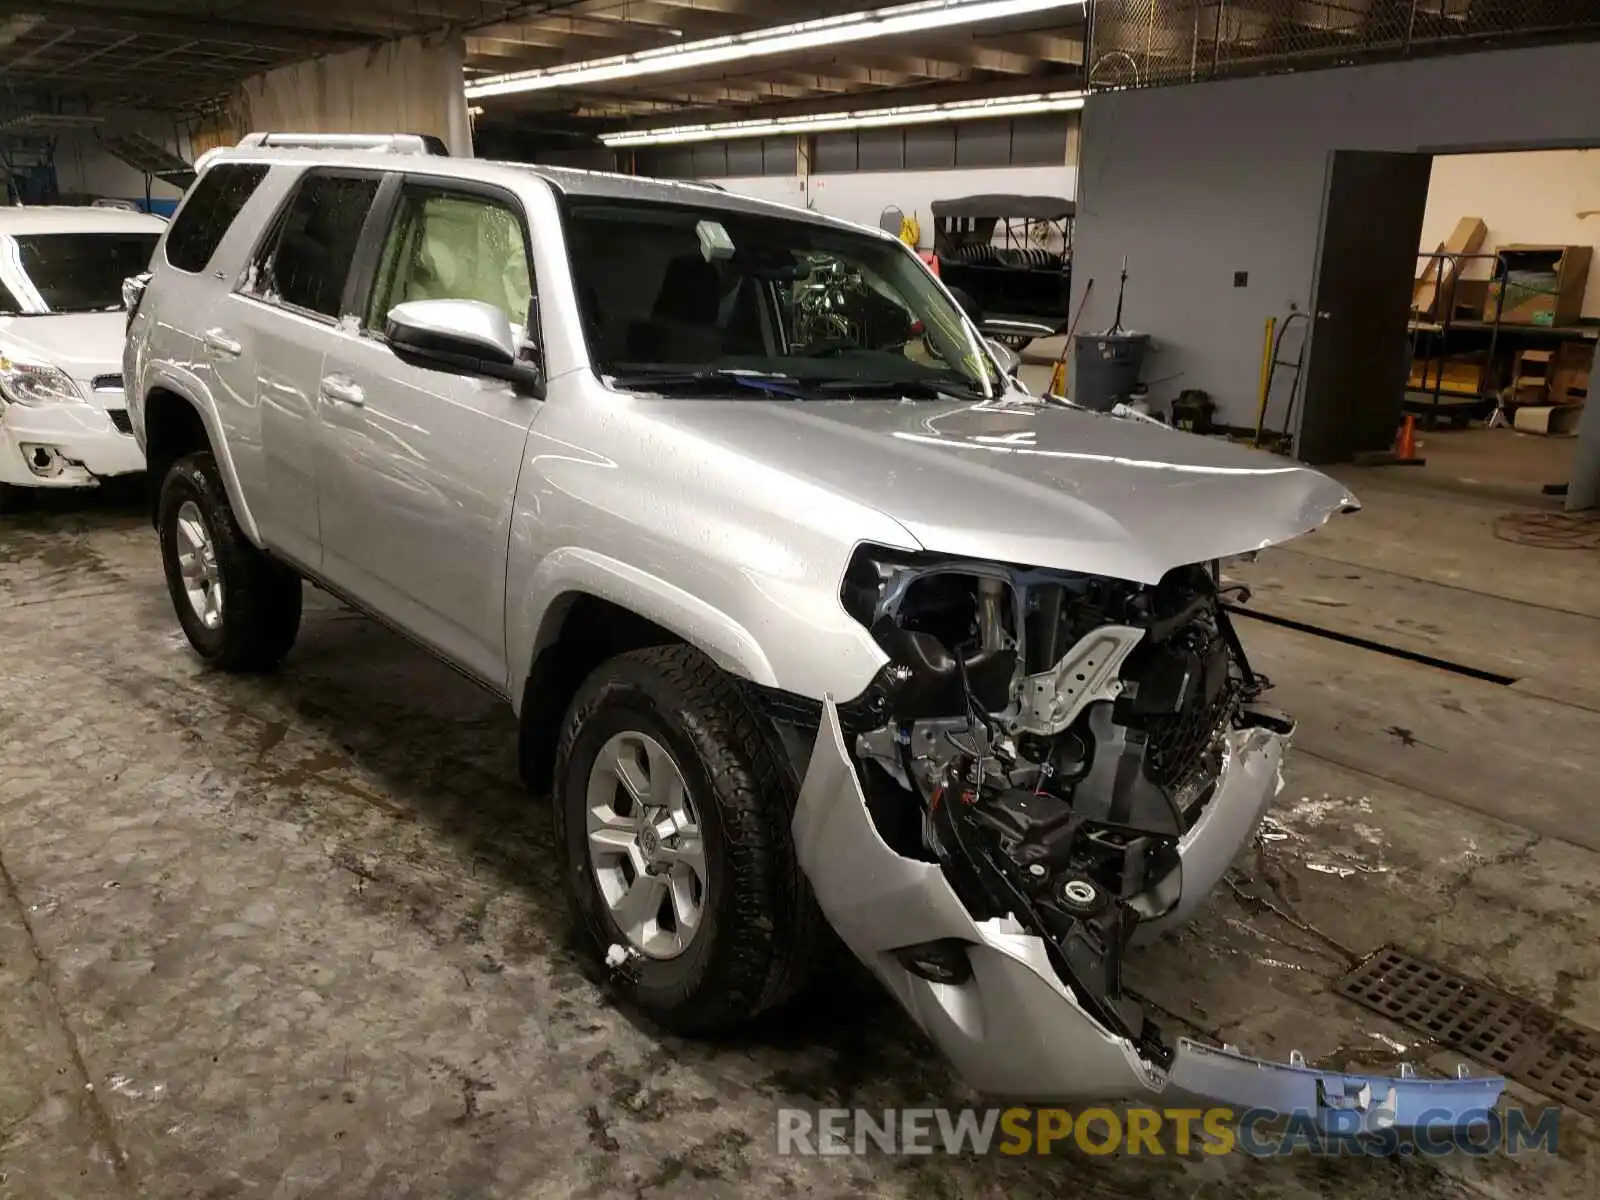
column 1014, row 1030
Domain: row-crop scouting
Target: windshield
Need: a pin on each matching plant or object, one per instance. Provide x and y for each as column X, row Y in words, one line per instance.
column 677, row 294
column 69, row 272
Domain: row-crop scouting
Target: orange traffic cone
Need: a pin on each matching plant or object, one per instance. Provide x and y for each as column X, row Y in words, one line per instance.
column 1058, row 379
column 1404, row 453
column 1406, row 444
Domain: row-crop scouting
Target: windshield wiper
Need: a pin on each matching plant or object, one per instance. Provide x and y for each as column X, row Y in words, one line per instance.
column 714, row 380
column 905, row 389
column 711, row 379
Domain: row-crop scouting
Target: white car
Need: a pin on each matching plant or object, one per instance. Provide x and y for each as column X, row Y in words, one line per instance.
column 63, row 420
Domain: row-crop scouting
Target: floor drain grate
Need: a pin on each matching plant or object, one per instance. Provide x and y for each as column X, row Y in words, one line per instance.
column 1517, row 1039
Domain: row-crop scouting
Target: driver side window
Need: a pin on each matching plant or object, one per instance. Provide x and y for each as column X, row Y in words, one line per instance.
column 452, row 246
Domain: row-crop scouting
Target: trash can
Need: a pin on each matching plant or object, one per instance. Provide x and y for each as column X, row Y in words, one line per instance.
column 1108, row 365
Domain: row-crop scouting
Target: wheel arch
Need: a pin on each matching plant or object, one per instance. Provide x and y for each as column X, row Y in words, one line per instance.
column 176, row 424
column 580, row 631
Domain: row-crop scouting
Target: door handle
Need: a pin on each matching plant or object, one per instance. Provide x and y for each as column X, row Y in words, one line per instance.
column 219, row 342
column 344, row 390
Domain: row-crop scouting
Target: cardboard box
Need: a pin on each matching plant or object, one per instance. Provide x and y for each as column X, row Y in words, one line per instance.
column 1570, row 373
column 1531, row 374
column 1542, row 285
column 1434, row 292
column 1468, row 297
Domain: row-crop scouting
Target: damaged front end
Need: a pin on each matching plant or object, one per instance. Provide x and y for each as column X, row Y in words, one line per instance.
column 1049, row 766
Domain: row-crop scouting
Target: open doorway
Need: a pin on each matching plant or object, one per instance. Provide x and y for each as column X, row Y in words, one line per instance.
column 1505, row 325
column 1457, row 288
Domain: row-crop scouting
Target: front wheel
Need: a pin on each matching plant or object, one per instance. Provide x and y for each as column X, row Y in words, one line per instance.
column 13, row 498
column 239, row 608
column 673, row 803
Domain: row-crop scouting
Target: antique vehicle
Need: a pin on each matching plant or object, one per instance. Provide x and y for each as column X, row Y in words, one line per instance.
column 1013, row 256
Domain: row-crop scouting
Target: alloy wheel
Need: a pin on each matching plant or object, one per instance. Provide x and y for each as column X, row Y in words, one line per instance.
column 197, row 564
column 645, row 845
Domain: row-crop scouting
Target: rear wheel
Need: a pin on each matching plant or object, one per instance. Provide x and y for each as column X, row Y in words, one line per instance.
column 673, row 803
column 239, row 608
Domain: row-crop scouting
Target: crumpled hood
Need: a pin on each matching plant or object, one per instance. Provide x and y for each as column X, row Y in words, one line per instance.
column 81, row 344
column 1029, row 483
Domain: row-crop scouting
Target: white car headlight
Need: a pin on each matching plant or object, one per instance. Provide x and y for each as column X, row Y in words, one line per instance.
column 27, row 381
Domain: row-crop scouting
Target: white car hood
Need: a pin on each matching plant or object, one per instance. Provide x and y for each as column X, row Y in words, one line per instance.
column 1029, row 483
column 83, row 345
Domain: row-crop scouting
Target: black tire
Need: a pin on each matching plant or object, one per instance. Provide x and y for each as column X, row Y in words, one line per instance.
column 261, row 610
column 13, row 498
column 1015, row 341
column 762, row 931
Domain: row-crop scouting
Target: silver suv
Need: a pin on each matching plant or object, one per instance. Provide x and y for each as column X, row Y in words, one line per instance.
column 812, row 616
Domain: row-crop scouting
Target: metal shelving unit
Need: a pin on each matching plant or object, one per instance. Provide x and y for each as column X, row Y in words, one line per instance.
column 1431, row 344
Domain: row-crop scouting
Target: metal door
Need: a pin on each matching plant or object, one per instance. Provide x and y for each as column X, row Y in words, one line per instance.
column 1356, row 366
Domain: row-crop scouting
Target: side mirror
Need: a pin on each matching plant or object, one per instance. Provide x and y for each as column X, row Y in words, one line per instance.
column 464, row 337
column 133, row 289
column 1008, row 359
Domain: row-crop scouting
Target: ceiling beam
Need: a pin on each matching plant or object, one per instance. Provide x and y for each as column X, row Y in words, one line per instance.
column 1042, row 46
column 34, row 52
column 936, row 68
column 108, row 48
column 737, row 8
column 112, row 18
column 921, row 94
column 845, row 77
column 139, row 64
column 975, row 53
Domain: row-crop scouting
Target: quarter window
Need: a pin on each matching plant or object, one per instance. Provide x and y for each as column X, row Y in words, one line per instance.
column 453, row 246
column 213, row 203
column 307, row 260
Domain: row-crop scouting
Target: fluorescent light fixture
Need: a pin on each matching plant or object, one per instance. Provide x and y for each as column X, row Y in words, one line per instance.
column 919, row 17
column 913, row 114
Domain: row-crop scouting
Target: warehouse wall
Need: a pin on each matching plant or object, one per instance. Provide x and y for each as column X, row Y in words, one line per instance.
column 1532, row 196
column 83, row 168
column 1195, row 183
column 857, row 174
column 410, row 85
column 781, row 189
column 862, row 196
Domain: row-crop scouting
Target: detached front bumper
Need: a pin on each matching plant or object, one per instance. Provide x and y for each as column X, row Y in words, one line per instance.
column 63, row 445
column 1014, row 1030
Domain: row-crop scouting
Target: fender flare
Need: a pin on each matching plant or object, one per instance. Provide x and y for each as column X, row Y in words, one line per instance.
column 184, row 385
column 572, row 570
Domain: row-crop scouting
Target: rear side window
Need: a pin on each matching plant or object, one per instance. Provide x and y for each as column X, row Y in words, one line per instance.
column 307, row 259
column 218, row 196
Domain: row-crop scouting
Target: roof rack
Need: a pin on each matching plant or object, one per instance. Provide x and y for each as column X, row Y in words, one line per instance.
column 393, row 143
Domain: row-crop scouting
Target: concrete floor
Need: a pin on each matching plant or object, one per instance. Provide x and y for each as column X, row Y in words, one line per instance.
column 298, row 936
column 1502, row 462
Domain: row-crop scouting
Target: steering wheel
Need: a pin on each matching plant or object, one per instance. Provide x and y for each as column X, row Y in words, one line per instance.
column 826, row 347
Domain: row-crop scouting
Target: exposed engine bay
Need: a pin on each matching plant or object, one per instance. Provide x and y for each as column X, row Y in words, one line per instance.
column 1047, row 738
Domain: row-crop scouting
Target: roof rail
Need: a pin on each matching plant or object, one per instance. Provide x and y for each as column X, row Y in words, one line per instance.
column 393, row 143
